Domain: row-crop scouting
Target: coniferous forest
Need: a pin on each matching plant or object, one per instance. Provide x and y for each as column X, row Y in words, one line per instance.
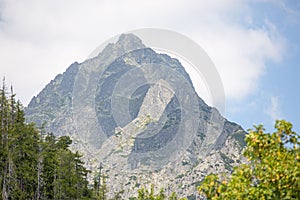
column 34, row 164
column 37, row 165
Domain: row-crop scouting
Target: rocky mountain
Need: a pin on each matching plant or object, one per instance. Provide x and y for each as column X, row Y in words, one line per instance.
column 137, row 113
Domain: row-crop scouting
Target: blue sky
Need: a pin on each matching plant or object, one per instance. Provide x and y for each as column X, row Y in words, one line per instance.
column 254, row 44
column 278, row 94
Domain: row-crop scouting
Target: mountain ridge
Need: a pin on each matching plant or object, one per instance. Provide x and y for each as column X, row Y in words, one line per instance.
column 93, row 101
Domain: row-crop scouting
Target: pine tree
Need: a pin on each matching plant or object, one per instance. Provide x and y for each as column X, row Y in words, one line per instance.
column 23, row 152
column 49, row 166
column 4, row 144
column 34, row 165
column 18, row 149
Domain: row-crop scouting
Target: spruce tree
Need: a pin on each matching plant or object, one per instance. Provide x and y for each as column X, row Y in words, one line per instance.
column 34, row 165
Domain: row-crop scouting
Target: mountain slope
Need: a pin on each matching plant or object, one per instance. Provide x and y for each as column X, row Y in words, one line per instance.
column 137, row 112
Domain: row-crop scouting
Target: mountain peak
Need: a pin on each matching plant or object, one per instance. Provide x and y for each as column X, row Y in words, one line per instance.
column 126, row 43
column 132, row 109
column 130, row 40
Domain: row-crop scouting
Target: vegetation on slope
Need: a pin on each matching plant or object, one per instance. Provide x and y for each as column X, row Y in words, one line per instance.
column 35, row 165
column 272, row 172
column 38, row 165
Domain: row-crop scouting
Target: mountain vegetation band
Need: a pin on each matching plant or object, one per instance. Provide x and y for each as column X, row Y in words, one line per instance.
column 38, row 165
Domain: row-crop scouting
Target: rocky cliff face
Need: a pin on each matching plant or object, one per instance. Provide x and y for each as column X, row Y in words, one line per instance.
column 136, row 112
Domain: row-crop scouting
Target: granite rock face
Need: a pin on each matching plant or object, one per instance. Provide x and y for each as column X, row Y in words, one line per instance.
column 137, row 113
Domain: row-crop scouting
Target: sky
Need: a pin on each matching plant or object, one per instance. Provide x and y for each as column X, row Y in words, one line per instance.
column 254, row 44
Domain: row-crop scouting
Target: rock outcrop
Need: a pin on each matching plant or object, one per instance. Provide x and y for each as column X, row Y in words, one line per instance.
column 137, row 113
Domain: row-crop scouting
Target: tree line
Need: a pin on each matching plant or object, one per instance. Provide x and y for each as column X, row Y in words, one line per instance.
column 37, row 165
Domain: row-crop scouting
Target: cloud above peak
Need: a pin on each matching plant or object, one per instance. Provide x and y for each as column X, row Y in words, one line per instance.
column 273, row 111
column 241, row 55
column 45, row 37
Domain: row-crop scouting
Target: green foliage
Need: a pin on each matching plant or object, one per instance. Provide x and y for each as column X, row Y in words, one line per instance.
column 18, row 150
column 34, row 165
column 173, row 196
column 273, row 171
column 100, row 187
column 103, row 189
column 145, row 194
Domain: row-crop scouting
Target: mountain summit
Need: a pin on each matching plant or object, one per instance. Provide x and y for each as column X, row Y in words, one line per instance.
column 137, row 113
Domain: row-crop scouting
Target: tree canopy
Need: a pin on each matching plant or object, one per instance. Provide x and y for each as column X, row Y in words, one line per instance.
column 272, row 171
column 35, row 165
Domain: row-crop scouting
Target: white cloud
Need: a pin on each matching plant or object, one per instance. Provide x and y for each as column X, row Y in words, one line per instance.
column 240, row 56
column 274, row 109
column 40, row 39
